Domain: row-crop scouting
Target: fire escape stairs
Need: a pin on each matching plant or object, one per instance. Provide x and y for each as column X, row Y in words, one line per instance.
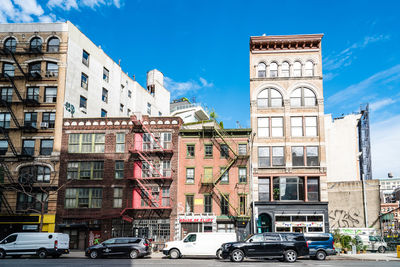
column 4, row 200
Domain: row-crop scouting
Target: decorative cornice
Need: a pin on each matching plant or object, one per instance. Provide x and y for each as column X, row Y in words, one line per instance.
column 285, row 42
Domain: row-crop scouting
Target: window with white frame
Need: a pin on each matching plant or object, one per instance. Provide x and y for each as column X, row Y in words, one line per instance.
column 263, row 127
column 311, row 126
column 120, row 143
column 302, row 97
column 269, row 98
column 117, row 197
column 273, row 70
column 285, row 69
column 309, row 68
column 296, row 125
column 261, row 70
column 278, row 156
column 277, row 126
column 297, row 69
column 263, row 157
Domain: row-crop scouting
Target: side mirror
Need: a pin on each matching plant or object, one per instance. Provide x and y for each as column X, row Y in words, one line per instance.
column 251, row 240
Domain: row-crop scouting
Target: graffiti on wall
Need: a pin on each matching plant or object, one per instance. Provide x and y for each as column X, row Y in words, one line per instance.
column 344, row 219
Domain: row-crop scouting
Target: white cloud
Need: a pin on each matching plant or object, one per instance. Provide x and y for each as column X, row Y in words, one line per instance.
column 23, row 11
column 64, row 4
column 381, row 103
column 76, row 4
column 181, row 88
column 385, row 147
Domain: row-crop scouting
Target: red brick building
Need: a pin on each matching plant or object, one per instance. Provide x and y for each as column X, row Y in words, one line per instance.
column 120, row 178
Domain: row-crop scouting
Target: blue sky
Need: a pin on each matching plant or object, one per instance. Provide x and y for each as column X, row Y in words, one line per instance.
column 202, row 47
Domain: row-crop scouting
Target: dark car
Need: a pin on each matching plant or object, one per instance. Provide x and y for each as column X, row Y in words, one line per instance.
column 283, row 246
column 320, row 245
column 133, row 247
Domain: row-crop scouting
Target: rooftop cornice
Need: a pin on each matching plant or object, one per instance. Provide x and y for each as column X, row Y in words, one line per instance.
column 285, row 42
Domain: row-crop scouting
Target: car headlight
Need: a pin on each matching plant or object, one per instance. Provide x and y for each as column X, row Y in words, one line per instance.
column 227, row 245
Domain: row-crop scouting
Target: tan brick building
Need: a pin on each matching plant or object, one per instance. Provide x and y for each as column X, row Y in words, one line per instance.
column 287, row 116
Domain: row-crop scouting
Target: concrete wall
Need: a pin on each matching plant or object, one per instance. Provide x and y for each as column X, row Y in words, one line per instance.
column 346, row 208
column 342, row 149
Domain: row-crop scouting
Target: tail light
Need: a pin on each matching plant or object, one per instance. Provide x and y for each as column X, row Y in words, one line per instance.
column 146, row 244
column 333, row 244
column 55, row 244
column 307, row 244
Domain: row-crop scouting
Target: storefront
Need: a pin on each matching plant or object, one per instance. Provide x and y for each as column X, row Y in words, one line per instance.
column 194, row 223
column 25, row 223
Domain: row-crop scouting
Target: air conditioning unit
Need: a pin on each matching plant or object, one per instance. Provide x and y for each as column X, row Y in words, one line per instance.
column 44, row 125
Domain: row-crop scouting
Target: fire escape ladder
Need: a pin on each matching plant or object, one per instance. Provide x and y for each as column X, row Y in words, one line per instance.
column 14, row 118
column 227, row 200
column 221, row 133
column 142, row 155
column 5, row 203
column 4, row 132
column 144, row 189
column 11, row 80
column 227, row 168
column 9, row 52
column 154, row 138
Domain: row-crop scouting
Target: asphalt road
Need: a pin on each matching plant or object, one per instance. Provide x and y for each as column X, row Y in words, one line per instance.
column 185, row 262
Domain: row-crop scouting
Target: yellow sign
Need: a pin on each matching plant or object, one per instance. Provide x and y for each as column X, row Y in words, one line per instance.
column 198, row 201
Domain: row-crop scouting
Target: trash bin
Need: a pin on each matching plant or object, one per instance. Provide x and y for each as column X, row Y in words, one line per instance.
column 398, row 251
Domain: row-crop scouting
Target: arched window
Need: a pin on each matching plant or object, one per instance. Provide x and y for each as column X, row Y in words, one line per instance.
column 297, row 69
column 53, row 44
column 273, row 70
column 269, row 98
column 302, row 97
column 10, row 44
column 8, row 69
column 34, row 174
column 261, row 70
column 36, row 44
column 285, row 69
column 309, row 71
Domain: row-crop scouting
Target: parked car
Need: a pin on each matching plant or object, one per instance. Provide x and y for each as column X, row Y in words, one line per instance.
column 198, row 244
column 134, row 247
column 41, row 244
column 374, row 243
column 320, row 245
column 283, row 246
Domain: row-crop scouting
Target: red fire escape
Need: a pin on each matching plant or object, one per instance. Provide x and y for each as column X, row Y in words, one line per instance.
column 151, row 179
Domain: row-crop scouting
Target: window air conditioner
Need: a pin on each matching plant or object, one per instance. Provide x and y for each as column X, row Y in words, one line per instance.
column 44, row 125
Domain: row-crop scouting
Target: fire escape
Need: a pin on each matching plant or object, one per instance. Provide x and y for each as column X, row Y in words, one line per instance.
column 6, row 127
column 224, row 143
column 150, row 178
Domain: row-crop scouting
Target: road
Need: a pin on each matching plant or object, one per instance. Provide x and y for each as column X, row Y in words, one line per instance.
column 185, row 262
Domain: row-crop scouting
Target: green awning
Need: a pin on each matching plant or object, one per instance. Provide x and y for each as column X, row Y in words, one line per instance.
column 388, row 217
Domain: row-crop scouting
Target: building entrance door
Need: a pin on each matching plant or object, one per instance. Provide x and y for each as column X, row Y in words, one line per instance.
column 264, row 223
column 299, row 229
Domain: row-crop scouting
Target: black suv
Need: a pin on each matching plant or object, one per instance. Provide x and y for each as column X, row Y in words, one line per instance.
column 284, row 246
column 133, row 247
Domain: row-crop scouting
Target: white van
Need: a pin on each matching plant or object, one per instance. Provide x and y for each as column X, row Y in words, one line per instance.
column 198, row 244
column 41, row 244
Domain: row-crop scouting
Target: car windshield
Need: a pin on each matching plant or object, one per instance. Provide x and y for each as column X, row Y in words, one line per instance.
column 255, row 238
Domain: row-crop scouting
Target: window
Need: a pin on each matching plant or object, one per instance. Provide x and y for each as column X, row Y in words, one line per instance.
column 261, row 70
column 121, row 107
column 119, row 169
column 31, row 202
column 85, row 58
column 297, row 156
column 117, row 197
column 28, row 147
column 297, row 69
column 166, row 168
column 242, row 149
column 263, row 157
column 189, row 207
column 128, row 112
column 208, row 175
column 86, row 143
column 149, row 108
column 30, row 119
column 83, row 197
column 120, row 143
column 224, row 204
column 263, row 127
column 6, row 94
column 3, row 148
column 278, row 156
column 242, row 204
column 313, row 189
column 49, row 118
column 103, row 113
column 33, row 93
column 224, row 151
column 51, row 69
column 83, row 102
column 190, row 151
column 285, row 69
column 84, row 81
column 104, row 95
column 208, row 150
column 36, row 45
column 312, row 156
column 35, row 69
column 242, row 175
column 165, row 197
column 8, row 69
column 53, row 44
column 50, row 94
column 34, row 173
column 190, row 175
column 129, row 93
column 311, row 126
column 263, row 189
column 85, row 170
column 106, row 74
column 10, row 44
column 309, row 71
column 5, row 120
column 224, row 175
column 273, row 70
column 302, row 97
column 277, row 127
column 166, row 140
column 269, row 98
column 296, row 124
column 207, row 203
column 46, row 147
column 290, row 188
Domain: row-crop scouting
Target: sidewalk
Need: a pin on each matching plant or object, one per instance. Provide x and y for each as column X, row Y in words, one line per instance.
column 78, row 254
column 388, row 256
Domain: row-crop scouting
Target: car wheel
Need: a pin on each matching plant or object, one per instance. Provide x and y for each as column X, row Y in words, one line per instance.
column 42, row 254
column 381, row 249
column 290, row 255
column 219, row 254
column 320, row 255
column 94, row 254
column 133, row 254
column 174, row 253
column 2, row 254
column 237, row 255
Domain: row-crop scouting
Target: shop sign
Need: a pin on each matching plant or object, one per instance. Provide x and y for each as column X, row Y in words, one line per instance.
column 194, row 220
column 289, row 224
column 30, row 227
column 198, row 201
